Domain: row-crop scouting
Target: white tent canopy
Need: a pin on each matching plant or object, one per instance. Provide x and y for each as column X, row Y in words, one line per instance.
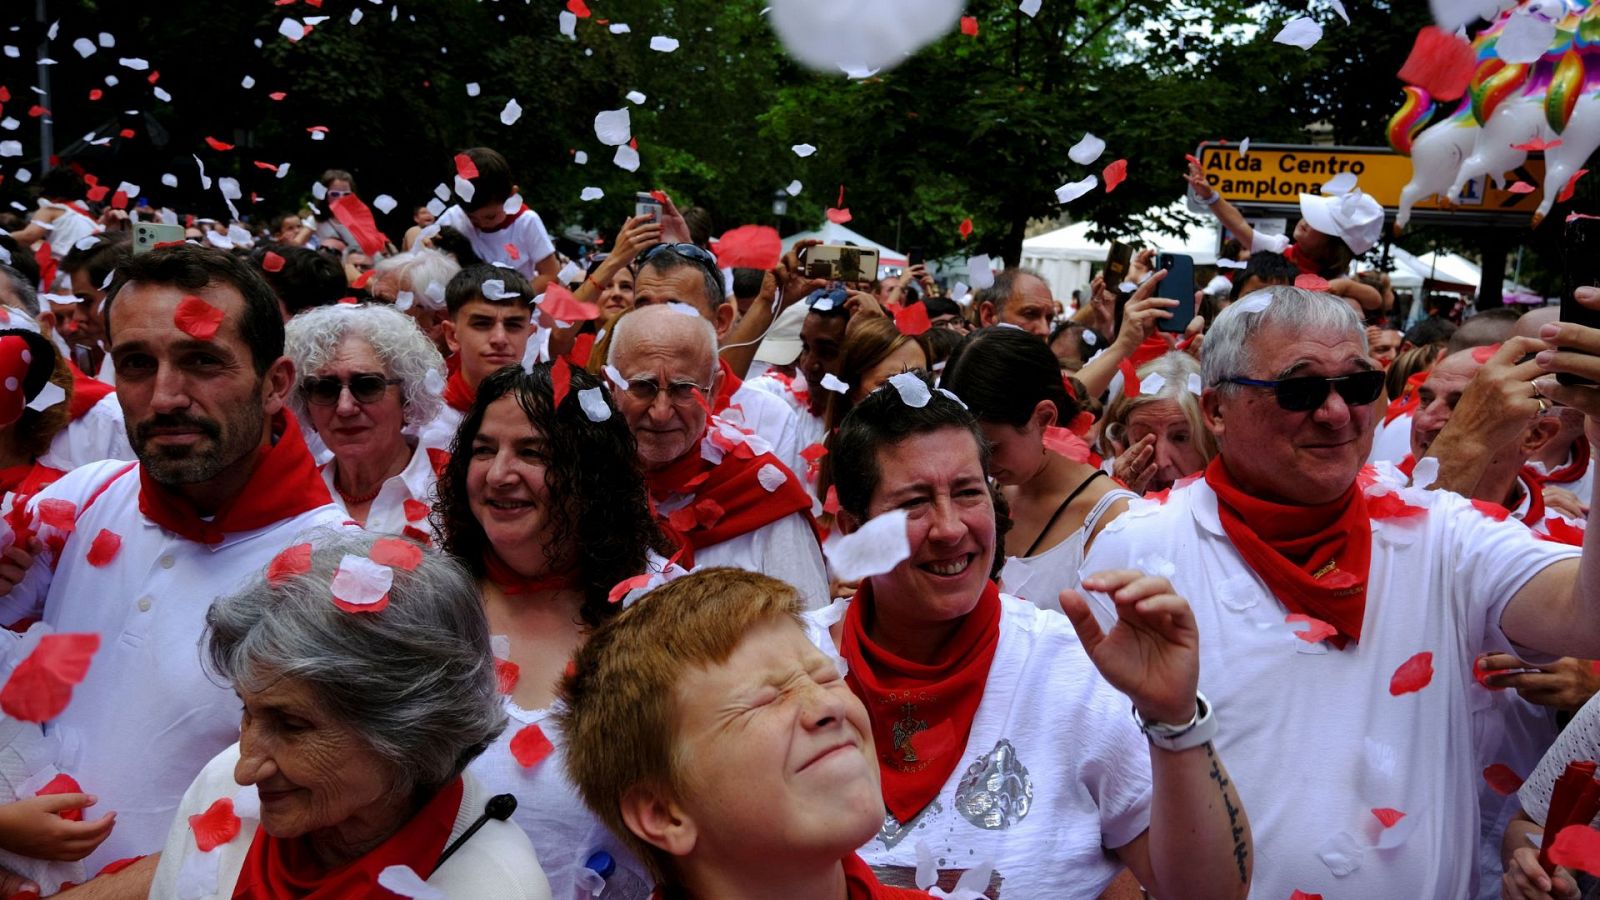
column 1066, row 257
column 833, row 233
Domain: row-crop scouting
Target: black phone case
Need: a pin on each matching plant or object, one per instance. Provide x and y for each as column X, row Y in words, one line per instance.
column 1581, row 252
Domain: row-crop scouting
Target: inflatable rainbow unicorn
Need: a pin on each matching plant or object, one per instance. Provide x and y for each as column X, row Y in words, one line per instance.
column 1510, row 109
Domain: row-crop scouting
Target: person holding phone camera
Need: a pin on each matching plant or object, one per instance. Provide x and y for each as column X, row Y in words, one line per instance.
column 1018, row 297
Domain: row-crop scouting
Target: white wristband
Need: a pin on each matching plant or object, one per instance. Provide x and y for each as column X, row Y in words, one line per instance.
column 1196, row 732
column 1212, row 200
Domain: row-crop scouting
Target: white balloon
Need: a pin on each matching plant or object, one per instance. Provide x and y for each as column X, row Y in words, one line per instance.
column 830, row 35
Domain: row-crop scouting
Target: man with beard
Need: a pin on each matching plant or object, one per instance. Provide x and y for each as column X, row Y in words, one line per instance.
column 135, row 552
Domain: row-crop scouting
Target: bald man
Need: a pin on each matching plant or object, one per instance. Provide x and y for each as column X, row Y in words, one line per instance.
column 720, row 491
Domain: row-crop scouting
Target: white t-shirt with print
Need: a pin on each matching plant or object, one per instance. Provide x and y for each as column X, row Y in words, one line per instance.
column 526, row 233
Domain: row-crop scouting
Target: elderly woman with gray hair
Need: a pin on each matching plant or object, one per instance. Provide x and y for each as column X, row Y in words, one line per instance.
column 1157, row 435
column 368, row 378
column 364, row 669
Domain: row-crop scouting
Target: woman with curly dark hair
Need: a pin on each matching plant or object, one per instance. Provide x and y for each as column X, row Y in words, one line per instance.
column 544, row 503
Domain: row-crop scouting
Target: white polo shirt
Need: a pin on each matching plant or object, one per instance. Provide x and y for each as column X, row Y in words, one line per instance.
column 785, row 549
column 1054, row 772
column 526, row 233
column 99, row 433
column 1312, row 736
column 147, row 717
column 403, row 501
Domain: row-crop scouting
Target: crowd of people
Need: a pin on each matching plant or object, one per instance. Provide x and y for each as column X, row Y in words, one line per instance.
column 334, row 566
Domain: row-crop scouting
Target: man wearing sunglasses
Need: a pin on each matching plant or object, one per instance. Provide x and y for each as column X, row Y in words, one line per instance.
column 1340, row 611
column 720, row 491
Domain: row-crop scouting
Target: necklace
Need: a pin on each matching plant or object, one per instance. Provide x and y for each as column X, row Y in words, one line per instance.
column 357, row 501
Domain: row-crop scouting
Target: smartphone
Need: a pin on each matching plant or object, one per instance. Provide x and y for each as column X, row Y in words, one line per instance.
column 1179, row 286
column 644, row 204
column 1118, row 261
column 914, row 257
column 842, row 262
column 1582, row 268
column 149, row 235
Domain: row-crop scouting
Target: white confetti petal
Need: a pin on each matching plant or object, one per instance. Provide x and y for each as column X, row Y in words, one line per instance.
column 435, row 294
column 831, row 383
column 170, row 180
column 927, row 869
column 1029, row 8
column 84, row 46
column 385, row 203
column 981, row 271
column 829, row 35
column 1342, row 183
column 10, row 148
column 440, row 190
column 626, row 158
column 569, row 24
column 1302, row 32
column 874, row 548
column 247, row 82
column 1525, row 37
column 161, row 94
column 403, row 300
column 794, row 188
column 1338, row 7
column 620, row 28
column 494, row 290
column 771, row 477
column 1342, row 854
column 1231, row 264
column 511, row 113
column 615, row 377
column 1396, row 834
column 635, row 97
column 613, row 127
column 1194, row 384
column 594, row 404
column 513, row 205
column 1244, row 147
column 436, row 207
column 1426, row 472
column 472, row 89
column 247, row 803
column 803, row 150
column 912, row 389
column 1072, row 191
column 591, row 193
column 292, row 29
column 1152, row 384
column 465, row 189
column 48, row 396
column 355, row 16
column 229, row 188
column 404, row 881
column 134, row 63
column 581, row 158
column 361, row 582
column 1086, row 150
column 663, row 44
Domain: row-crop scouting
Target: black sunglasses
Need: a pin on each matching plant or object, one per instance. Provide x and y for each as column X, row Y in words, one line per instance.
column 365, row 388
column 688, row 251
column 1311, row 391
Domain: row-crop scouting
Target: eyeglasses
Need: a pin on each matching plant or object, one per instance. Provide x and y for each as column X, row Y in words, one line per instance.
column 1310, row 392
column 334, row 195
column 364, row 388
column 687, row 251
column 679, row 393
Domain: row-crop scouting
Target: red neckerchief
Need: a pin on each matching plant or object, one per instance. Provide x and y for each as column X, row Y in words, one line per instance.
column 1533, row 484
column 1314, row 559
column 1302, row 262
column 457, row 394
column 727, row 384
column 919, row 744
column 28, row 478
column 285, row 483
column 275, row 869
column 1576, row 468
column 861, row 884
column 507, row 223
column 729, row 499
column 47, row 263
column 1409, row 399
column 1155, row 346
column 86, row 391
column 511, row 583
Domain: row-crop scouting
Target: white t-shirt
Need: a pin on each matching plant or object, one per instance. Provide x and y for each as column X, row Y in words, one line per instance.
column 785, row 549
column 770, row 417
column 67, row 230
column 147, row 716
column 1583, row 486
column 99, row 433
column 550, row 812
column 1312, row 736
column 496, row 863
column 1041, row 578
column 526, row 233
column 806, row 429
column 388, row 513
column 440, row 431
column 1054, row 773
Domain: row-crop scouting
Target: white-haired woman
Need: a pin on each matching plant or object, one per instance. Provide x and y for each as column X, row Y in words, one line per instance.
column 414, row 282
column 364, row 387
column 367, row 683
column 1159, row 436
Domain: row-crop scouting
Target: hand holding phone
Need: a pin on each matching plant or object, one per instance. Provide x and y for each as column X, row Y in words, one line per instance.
column 1581, row 250
column 1179, row 286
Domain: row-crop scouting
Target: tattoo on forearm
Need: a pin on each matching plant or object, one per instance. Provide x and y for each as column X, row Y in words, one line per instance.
column 1240, row 853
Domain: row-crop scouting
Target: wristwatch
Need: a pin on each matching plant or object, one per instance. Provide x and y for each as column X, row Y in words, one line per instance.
column 1174, row 738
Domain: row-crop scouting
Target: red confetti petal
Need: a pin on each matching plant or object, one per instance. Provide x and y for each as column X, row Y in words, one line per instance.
column 659, row 196
column 104, row 548
column 59, row 514
column 415, row 510
column 414, row 533
column 749, row 247
column 396, row 552
column 530, row 746
column 912, row 320
column 1317, row 631
column 1413, row 674
column 965, row 229
column 277, row 95
column 1302, row 895
column 1390, row 506
column 1562, row 532
column 1388, row 816
column 506, row 674
column 1482, row 674
column 153, row 77
column 96, row 94
column 35, row 111
column 1577, row 847
column 217, row 145
column 969, row 26
column 1440, row 63
column 838, row 216
column 1493, row 510
column 622, row 587
column 41, row 685
column 197, row 318
column 465, row 167
column 1521, row 187
column 362, row 280
column 578, row 8
column 1063, row 442
column 813, row 453
column 63, row 784
column 1309, row 282
column 1481, row 355
column 125, row 133
column 682, row 519
column 1536, row 145
column 216, row 826
column 98, row 193
column 439, row 458
column 1504, row 781
column 512, row 251
column 272, row 262
column 560, row 381
column 1114, row 174
column 289, row 563
column 1572, row 185
column 559, row 303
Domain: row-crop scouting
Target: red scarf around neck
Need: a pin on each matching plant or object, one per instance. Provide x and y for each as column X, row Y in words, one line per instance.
column 729, row 499
column 28, row 478
column 920, row 743
column 1314, row 559
column 285, row 483
column 1576, row 468
column 457, row 394
column 512, row 583
column 86, row 392
column 505, row 223
column 1532, row 484
column 275, row 869
column 727, row 384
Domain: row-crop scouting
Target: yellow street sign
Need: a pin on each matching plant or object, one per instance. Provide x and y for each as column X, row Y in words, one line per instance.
column 1277, row 174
